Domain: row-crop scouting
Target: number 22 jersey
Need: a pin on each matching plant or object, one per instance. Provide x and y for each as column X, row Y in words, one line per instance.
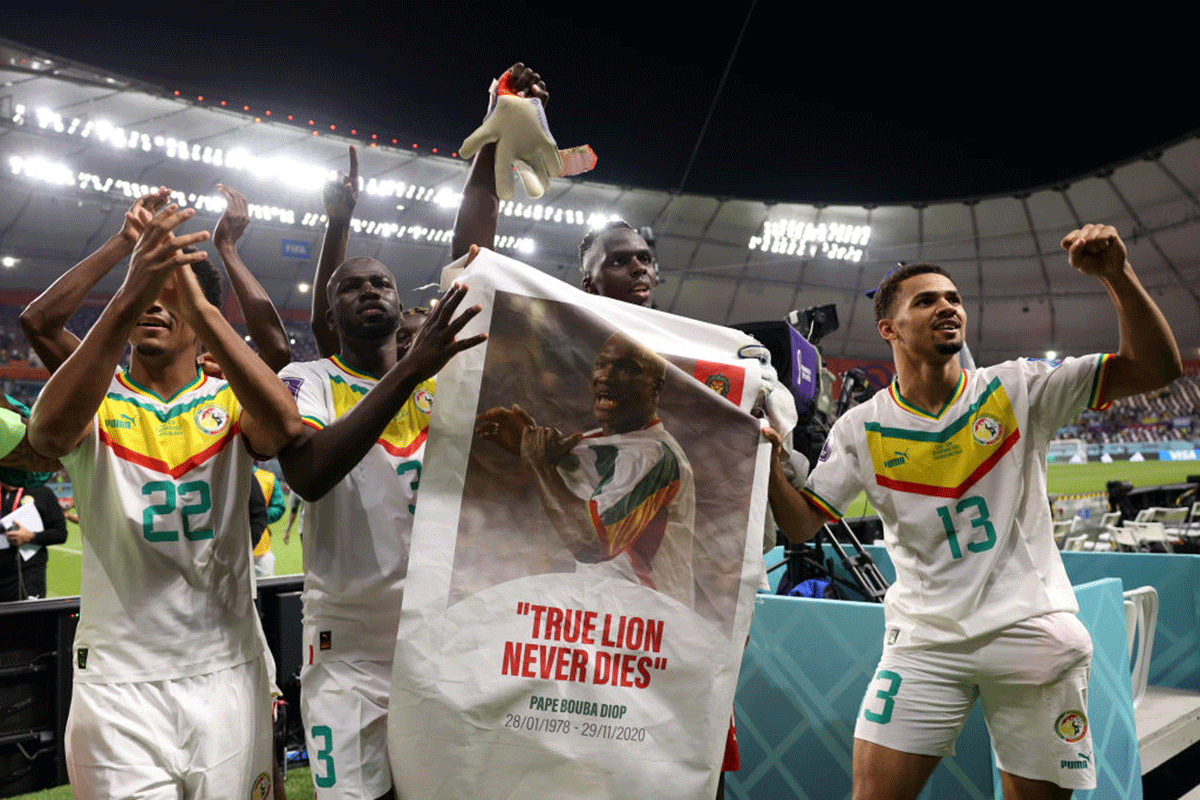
column 162, row 487
column 962, row 494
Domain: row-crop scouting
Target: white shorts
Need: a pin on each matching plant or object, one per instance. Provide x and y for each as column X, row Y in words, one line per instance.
column 208, row 736
column 1032, row 678
column 344, row 706
column 264, row 565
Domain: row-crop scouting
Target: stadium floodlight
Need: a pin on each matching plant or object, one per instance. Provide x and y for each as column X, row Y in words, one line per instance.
column 599, row 219
column 40, row 169
column 1051, row 354
column 286, row 171
column 792, row 237
column 9, row 262
column 303, row 288
column 447, row 199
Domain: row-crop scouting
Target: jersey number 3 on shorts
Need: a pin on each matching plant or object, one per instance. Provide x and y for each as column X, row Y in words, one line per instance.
column 324, row 756
column 196, row 499
column 884, row 715
column 980, row 520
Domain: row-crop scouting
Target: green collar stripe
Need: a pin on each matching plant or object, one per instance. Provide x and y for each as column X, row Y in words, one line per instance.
column 894, row 388
column 936, row 436
column 173, row 411
column 352, row 387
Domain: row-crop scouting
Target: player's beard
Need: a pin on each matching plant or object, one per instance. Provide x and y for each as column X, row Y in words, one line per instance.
column 150, row 350
column 949, row 348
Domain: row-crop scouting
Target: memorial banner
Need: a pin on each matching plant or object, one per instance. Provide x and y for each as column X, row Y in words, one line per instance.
column 585, row 553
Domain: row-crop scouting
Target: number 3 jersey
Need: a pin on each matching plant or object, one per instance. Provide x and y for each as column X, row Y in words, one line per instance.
column 962, row 495
column 356, row 537
column 162, row 487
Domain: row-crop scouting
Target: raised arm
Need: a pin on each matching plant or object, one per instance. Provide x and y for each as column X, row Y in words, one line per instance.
column 1148, row 357
column 44, row 320
column 479, row 210
column 321, row 458
column 541, row 450
column 269, row 419
column 64, row 411
column 262, row 320
column 340, row 197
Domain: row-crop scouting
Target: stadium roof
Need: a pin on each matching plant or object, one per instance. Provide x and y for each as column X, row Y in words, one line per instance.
column 77, row 142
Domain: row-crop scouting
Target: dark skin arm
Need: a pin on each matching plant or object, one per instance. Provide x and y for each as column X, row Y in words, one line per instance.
column 44, row 320
column 269, row 420
column 24, row 457
column 479, row 211
column 541, row 450
column 319, row 459
column 340, row 196
column 794, row 515
column 64, row 411
column 262, row 320
column 1148, row 357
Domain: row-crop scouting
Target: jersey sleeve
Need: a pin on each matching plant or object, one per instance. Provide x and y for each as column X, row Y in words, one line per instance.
column 636, row 485
column 308, row 385
column 835, row 480
column 1059, row 390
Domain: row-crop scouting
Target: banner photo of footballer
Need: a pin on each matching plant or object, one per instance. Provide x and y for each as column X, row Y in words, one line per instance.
column 586, row 549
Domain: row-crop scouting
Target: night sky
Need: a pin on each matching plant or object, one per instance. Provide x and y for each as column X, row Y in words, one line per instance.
column 837, row 104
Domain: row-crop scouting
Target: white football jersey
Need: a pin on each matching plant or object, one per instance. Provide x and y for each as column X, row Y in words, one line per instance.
column 356, row 537
column 163, row 487
column 641, row 500
column 962, row 494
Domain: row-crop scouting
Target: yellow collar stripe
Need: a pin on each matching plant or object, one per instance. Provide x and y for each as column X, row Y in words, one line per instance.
column 349, row 370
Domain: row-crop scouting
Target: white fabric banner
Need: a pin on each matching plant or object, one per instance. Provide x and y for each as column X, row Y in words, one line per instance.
column 578, row 596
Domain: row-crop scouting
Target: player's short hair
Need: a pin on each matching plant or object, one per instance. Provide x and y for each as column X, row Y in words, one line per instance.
column 209, row 277
column 415, row 311
column 595, row 233
column 889, row 287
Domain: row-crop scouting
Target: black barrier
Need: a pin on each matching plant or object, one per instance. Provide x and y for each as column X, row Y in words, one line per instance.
column 35, row 678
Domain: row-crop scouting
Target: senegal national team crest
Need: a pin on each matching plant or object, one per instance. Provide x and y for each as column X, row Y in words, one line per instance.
column 1071, row 726
column 423, row 400
column 262, row 787
column 212, row 419
column 987, row 430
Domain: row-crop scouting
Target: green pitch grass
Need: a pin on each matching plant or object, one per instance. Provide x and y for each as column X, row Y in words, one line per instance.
column 1083, row 478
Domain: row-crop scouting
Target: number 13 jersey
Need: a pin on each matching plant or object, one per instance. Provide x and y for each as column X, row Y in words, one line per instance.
column 162, row 487
column 962, row 494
